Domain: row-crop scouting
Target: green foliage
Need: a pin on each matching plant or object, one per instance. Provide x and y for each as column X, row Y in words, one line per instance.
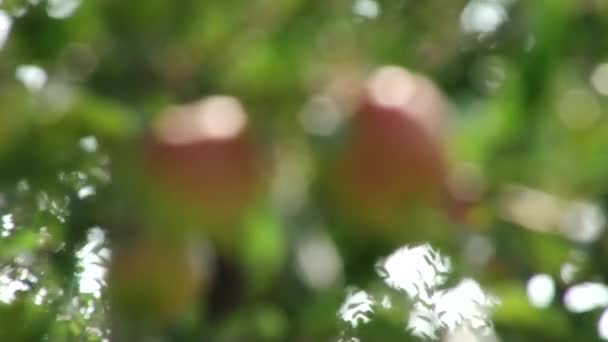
column 526, row 87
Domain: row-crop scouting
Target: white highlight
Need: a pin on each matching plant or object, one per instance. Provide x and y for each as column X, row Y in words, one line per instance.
column 586, row 297
column 61, row 9
column 599, row 78
column 482, row 16
column 32, row 76
column 464, row 304
column 7, row 225
column 540, row 290
column 89, row 144
column 317, row 261
column 6, row 22
column 479, row 250
column 321, row 116
column 466, row 334
column 602, row 326
column 414, row 269
column 420, row 272
column 40, row 296
column 9, row 288
column 392, row 86
column 221, row 118
column 583, row 222
column 366, row 8
column 91, row 259
column 213, row 118
column 7, row 222
column 568, row 272
column 357, row 308
column 86, row 191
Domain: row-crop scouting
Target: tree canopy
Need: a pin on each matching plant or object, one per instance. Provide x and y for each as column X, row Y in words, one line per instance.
column 340, row 170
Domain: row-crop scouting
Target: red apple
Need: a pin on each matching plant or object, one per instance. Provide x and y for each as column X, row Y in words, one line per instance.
column 203, row 158
column 393, row 156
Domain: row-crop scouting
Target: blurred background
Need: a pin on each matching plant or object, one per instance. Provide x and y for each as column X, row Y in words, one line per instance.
column 341, row 170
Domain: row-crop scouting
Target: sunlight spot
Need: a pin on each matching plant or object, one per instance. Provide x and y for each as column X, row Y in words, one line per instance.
column 599, row 78
column 18, row 10
column 7, row 225
column 7, row 222
column 348, row 339
column 92, row 258
column 465, row 304
column 61, row 9
column 420, row 272
column 88, row 144
column 213, row 118
column 568, row 272
column 87, row 310
column 415, row 269
column 321, row 116
column 482, row 17
column 24, row 259
column 101, row 174
column 40, row 296
column 531, row 208
column 392, row 87
column 318, row 262
column 583, row 222
column 86, row 191
column 357, row 308
column 366, row 8
column 289, row 187
column 540, row 290
column 386, row 302
column 460, row 335
column 466, row 334
column 32, row 76
column 602, row 326
column 479, row 250
column 422, row 321
column 5, row 27
column 586, row 297
column 222, row 117
column 23, row 186
column 24, row 274
column 96, row 332
column 9, row 287
column 60, row 97
column 580, row 220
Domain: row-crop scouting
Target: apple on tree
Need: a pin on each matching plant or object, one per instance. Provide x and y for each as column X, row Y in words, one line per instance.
column 203, row 159
column 392, row 159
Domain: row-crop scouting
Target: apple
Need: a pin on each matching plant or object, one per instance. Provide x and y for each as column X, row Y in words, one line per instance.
column 203, row 159
column 392, row 158
column 153, row 280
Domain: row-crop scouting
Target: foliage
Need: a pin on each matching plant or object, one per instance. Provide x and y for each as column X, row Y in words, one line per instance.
column 84, row 82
